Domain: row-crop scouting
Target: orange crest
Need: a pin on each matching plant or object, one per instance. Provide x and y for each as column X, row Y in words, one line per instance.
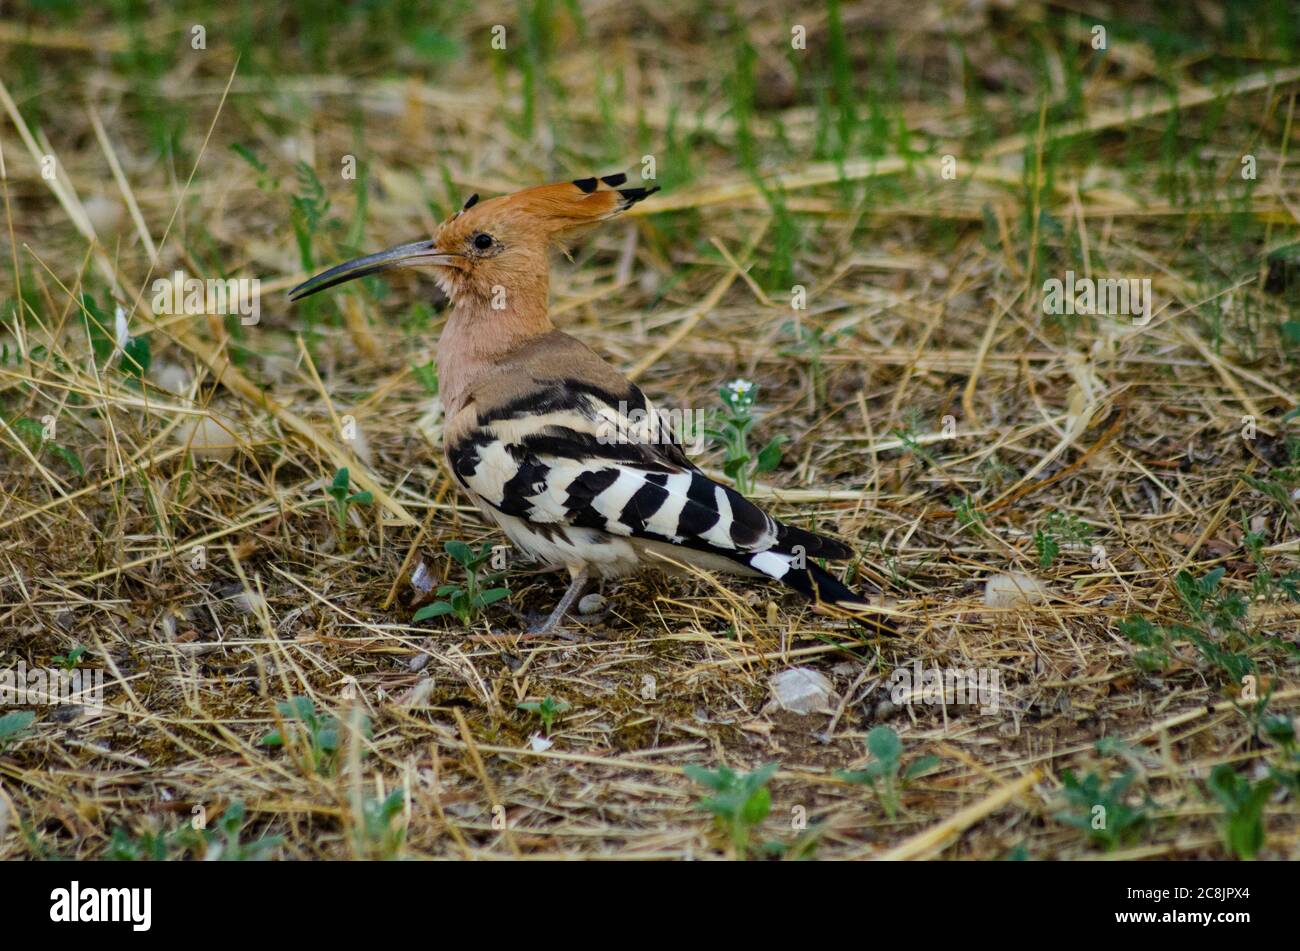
column 548, row 212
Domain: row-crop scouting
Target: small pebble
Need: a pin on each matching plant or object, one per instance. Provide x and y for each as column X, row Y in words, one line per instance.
column 803, row 690
column 171, row 377
column 207, row 439
column 422, row 579
column 885, row 709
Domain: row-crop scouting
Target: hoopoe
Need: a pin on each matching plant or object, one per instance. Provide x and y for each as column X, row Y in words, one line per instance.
column 529, row 413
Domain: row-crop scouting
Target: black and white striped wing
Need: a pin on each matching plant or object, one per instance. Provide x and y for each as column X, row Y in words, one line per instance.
column 557, row 466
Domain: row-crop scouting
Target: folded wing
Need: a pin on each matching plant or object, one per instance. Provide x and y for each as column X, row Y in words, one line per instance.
column 556, row 455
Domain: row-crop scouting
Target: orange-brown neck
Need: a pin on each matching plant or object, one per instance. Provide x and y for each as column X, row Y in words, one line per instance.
column 487, row 325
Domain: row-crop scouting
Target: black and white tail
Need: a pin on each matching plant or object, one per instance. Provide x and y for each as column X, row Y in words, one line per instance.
column 793, row 566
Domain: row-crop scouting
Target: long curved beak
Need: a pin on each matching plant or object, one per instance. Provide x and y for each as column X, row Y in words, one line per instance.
column 415, row 254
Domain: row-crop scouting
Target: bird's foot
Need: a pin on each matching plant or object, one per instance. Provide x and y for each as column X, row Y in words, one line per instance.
column 547, row 629
column 532, row 626
column 536, row 624
column 553, row 625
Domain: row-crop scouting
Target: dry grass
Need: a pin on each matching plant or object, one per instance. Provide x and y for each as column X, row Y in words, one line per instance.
column 931, row 290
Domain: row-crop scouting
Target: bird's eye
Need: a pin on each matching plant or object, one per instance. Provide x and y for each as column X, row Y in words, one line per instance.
column 482, row 241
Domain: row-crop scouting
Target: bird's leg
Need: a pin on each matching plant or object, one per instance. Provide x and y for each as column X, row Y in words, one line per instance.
column 531, row 619
column 575, row 588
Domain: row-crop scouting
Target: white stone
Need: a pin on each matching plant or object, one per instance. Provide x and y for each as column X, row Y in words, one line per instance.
column 803, row 690
column 207, row 439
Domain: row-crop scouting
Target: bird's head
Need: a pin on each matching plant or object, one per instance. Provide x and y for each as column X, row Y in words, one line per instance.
column 491, row 249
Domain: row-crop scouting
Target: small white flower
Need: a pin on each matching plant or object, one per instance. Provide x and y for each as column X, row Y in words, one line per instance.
column 739, row 395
